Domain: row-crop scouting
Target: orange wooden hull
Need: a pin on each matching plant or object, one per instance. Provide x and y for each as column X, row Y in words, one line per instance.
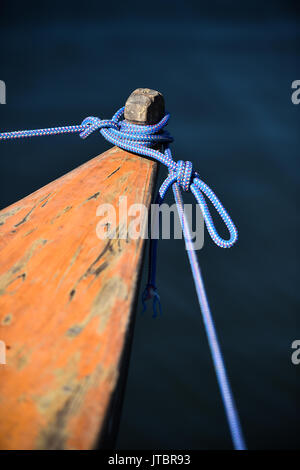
column 66, row 299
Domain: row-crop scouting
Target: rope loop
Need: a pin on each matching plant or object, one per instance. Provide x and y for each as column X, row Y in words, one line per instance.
column 146, row 140
column 92, row 124
column 184, row 173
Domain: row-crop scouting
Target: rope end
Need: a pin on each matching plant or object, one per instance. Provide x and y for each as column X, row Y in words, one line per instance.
column 150, row 293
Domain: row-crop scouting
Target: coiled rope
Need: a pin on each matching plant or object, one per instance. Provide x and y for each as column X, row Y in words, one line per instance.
column 140, row 139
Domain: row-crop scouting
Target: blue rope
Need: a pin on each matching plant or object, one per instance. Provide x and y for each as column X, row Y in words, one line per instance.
column 140, row 139
column 218, row 361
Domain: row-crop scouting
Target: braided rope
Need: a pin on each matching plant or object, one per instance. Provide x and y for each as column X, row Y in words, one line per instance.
column 218, row 361
column 140, row 139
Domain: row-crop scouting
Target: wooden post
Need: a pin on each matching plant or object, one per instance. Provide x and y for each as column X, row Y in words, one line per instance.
column 67, row 297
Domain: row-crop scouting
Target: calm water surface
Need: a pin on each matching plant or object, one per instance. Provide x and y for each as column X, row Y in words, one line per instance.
column 227, row 85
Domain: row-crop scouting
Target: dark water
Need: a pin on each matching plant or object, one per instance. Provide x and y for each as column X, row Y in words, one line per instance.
column 226, row 73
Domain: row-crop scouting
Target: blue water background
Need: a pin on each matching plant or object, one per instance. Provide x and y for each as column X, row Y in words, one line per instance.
column 226, row 73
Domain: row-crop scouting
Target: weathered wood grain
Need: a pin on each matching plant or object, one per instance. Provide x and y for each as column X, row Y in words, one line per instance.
column 65, row 302
column 145, row 106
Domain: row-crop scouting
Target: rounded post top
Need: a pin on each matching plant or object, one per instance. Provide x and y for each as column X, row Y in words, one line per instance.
column 144, row 106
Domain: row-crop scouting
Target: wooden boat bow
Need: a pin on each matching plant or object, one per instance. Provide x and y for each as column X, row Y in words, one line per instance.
column 67, row 298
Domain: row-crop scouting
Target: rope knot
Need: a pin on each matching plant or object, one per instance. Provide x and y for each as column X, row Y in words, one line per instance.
column 184, row 173
column 92, row 124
